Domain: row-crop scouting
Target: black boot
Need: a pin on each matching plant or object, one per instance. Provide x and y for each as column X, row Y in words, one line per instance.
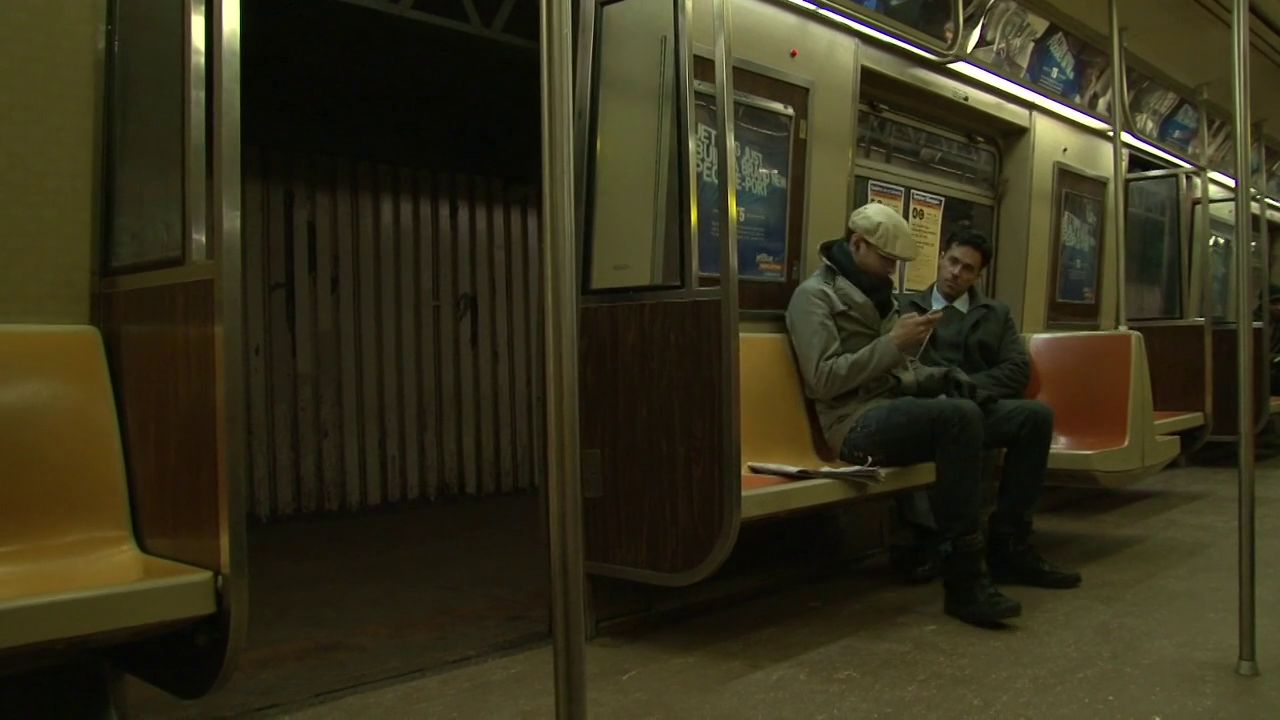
column 970, row 596
column 1013, row 560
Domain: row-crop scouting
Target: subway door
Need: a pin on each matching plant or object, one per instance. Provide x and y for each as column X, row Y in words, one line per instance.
column 168, row 308
column 658, row 351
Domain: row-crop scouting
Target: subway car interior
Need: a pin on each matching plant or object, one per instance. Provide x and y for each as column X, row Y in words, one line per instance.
column 441, row 358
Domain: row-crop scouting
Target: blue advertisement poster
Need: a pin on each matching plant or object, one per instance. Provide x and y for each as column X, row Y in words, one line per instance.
column 763, row 139
column 1079, row 244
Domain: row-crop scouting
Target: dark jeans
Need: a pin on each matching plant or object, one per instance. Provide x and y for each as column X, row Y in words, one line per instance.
column 954, row 434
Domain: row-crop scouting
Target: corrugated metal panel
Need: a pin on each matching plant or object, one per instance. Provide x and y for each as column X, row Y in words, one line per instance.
column 394, row 334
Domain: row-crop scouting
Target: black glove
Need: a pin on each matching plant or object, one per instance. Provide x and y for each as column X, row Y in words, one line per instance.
column 959, row 385
column 930, row 382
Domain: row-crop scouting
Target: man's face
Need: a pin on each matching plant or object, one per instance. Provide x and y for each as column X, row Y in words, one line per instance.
column 870, row 260
column 958, row 269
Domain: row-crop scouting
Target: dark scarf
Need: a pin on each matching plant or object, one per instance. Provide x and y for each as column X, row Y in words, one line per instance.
column 876, row 287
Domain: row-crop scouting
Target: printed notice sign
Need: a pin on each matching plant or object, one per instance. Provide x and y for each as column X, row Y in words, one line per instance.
column 885, row 194
column 926, row 230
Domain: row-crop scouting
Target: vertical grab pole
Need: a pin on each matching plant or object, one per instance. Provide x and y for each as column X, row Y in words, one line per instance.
column 560, row 305
column 1117, row 158
column 1201, row 232
column 1247, row 663
column 1264, row 245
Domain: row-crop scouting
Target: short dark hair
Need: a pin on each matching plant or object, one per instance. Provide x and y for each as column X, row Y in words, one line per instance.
column 968, row 237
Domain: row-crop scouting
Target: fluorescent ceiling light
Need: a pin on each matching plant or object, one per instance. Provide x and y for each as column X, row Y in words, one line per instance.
column 1136, row 142
column 987, row 77
column 1222, row 179
column 1273, row 202
column 864, row 29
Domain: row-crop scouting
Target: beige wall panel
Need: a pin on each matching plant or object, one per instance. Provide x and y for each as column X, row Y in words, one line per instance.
column 51, row 82
column 1014, row 218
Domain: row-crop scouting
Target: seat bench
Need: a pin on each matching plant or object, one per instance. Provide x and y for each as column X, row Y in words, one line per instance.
column 70, row 568
column 777, row 427
column 767, row 495
column 1169, row 422
column 1098, row 386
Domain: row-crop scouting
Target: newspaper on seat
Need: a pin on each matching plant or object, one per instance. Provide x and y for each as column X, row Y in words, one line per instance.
column 868, row 474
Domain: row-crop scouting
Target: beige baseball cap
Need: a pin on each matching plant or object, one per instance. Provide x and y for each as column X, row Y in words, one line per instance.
column 884, row 228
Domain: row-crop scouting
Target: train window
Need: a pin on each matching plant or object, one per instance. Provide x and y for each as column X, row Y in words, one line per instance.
column 1220, row 295
column 635, row 239
column 899, row 142
column 1153, row 256
column 940, row 180
column 145, row 202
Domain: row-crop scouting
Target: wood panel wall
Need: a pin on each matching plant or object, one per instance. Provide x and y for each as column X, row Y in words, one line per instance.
column 394, row 334
column 652, row 413
column 1176, row 385
column 160, row 343
column 1226, row 389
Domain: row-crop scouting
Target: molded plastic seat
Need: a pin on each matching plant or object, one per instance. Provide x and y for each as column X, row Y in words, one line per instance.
column 69, row 565
column 775, row 428
column 1168, row 422
column 1098, row 386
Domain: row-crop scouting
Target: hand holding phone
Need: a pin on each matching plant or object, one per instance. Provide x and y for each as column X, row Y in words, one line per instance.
column 912, row 330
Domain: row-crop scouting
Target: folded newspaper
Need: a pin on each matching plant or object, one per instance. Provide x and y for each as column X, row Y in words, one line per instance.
column 861, row 473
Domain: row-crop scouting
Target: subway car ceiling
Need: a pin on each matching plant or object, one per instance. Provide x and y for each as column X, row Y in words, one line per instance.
column 1009, row 44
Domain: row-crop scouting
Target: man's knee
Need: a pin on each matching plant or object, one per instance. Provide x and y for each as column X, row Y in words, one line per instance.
column 1039, row 417
column 960, row 416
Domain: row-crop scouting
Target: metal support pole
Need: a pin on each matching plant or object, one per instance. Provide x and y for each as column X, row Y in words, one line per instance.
column 1248, row 660
column 1202, row 235
column 1264, row 247
column 560, row 304
column 1117, row 159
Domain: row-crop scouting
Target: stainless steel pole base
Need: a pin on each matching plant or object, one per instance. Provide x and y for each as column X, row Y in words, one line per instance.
column 1247, row 668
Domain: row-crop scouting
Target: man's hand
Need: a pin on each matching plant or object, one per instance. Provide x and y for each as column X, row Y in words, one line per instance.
column 911, row 330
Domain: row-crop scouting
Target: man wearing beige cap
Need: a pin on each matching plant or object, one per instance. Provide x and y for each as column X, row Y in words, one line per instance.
column 877, row 402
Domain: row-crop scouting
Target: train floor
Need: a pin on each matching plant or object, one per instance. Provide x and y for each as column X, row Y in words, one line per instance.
column 338, row 602
column 1151, row 634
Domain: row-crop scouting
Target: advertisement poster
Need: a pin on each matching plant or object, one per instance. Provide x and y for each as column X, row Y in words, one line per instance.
column 1018, row 43
column 1081, row 240
column 931, row 17
column 1181, row 128
column 1008, row 37
column 886, row 194
column 1149, row 105
column 926, row 230
column 763, row 139
column 1065, row 66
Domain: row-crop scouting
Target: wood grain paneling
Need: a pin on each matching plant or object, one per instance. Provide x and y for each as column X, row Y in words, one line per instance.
column 1226, row 392
column 1175, row 354
column 394, row 320
column 651, row 394
column 160, row 343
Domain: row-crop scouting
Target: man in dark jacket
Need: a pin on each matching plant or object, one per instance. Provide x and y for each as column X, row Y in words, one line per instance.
column 977, row 335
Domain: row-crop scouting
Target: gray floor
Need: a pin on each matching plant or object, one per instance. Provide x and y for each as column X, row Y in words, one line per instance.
column 1152, row 634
